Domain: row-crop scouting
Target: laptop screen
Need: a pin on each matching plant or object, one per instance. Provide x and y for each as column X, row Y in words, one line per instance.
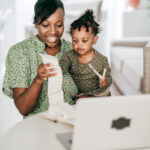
column 121, row 122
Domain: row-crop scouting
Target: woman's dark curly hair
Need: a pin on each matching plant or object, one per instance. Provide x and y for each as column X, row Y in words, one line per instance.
column 86, row 20
column 44, row 8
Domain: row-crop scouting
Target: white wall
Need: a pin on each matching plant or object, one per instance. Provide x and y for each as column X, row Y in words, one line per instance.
column 118, row 22
column 143, row 4
column 24, row 16
column 140, row 24
column 8, row 112
column 9, row 31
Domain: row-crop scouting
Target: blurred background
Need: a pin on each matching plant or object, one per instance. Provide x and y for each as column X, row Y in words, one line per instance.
column 120, row 20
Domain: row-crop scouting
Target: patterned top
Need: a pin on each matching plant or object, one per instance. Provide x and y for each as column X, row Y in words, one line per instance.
column 85, row 79
column 21, row 69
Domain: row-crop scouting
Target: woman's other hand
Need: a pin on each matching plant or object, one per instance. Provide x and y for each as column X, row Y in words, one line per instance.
column 103, row 82
column 44, row 71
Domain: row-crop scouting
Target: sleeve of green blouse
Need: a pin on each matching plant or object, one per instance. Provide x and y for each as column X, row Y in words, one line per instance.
column 108, row 73
column 65, row 63
column 69, row 87
column 17, row 70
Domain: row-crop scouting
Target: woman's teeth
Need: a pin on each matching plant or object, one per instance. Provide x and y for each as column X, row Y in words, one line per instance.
column 52, row 39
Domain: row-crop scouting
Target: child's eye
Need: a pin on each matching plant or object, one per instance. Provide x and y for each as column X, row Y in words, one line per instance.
column 84, row 41
column 75, row 41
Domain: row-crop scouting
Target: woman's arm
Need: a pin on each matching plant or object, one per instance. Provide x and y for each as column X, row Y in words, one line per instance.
column 26, row 98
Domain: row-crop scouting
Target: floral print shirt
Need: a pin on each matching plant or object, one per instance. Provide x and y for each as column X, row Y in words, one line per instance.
column 21, row 69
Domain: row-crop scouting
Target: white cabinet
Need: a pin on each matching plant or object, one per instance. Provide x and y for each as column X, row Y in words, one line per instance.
column 136, row 23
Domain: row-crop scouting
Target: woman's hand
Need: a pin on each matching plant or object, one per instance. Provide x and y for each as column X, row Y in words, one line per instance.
column 27, row 98
column 103, row 82
column 44, row 71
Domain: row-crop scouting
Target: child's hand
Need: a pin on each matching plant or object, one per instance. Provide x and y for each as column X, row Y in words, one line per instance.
column 103, row 82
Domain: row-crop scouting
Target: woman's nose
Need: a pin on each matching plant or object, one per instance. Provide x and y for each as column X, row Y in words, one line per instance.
column 52, row 30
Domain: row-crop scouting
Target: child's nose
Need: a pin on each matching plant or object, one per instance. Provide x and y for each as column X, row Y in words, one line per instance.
column 80, row 44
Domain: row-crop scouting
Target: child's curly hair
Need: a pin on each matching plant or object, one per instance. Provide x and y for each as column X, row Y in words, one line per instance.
column 86, row 20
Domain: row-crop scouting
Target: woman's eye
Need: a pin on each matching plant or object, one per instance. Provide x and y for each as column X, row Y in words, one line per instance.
column 45, row 25
column 59, row 25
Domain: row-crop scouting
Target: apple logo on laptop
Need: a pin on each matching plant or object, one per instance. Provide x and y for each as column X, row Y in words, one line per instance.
column 120, row 123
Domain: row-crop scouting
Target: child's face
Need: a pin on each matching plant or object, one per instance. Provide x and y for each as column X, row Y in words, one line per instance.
column 82, row 41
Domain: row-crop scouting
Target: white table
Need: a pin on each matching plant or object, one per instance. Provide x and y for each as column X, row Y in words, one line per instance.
column 34, row 133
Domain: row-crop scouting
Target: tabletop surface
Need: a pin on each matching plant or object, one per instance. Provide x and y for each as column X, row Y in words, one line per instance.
column 34, row 133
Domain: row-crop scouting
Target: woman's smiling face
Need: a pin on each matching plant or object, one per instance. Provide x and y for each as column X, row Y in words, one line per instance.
column 51, row 30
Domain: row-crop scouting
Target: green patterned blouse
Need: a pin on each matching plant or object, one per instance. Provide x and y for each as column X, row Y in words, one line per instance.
column 21, row 69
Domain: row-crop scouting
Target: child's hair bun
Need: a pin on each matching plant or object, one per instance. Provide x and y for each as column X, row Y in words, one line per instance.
column 86, row 20
column 88, row 15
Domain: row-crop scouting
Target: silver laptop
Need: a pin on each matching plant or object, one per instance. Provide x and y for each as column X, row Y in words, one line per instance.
column 112, row 123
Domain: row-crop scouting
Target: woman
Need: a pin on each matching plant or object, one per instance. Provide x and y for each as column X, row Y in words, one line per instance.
column 26, row 77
